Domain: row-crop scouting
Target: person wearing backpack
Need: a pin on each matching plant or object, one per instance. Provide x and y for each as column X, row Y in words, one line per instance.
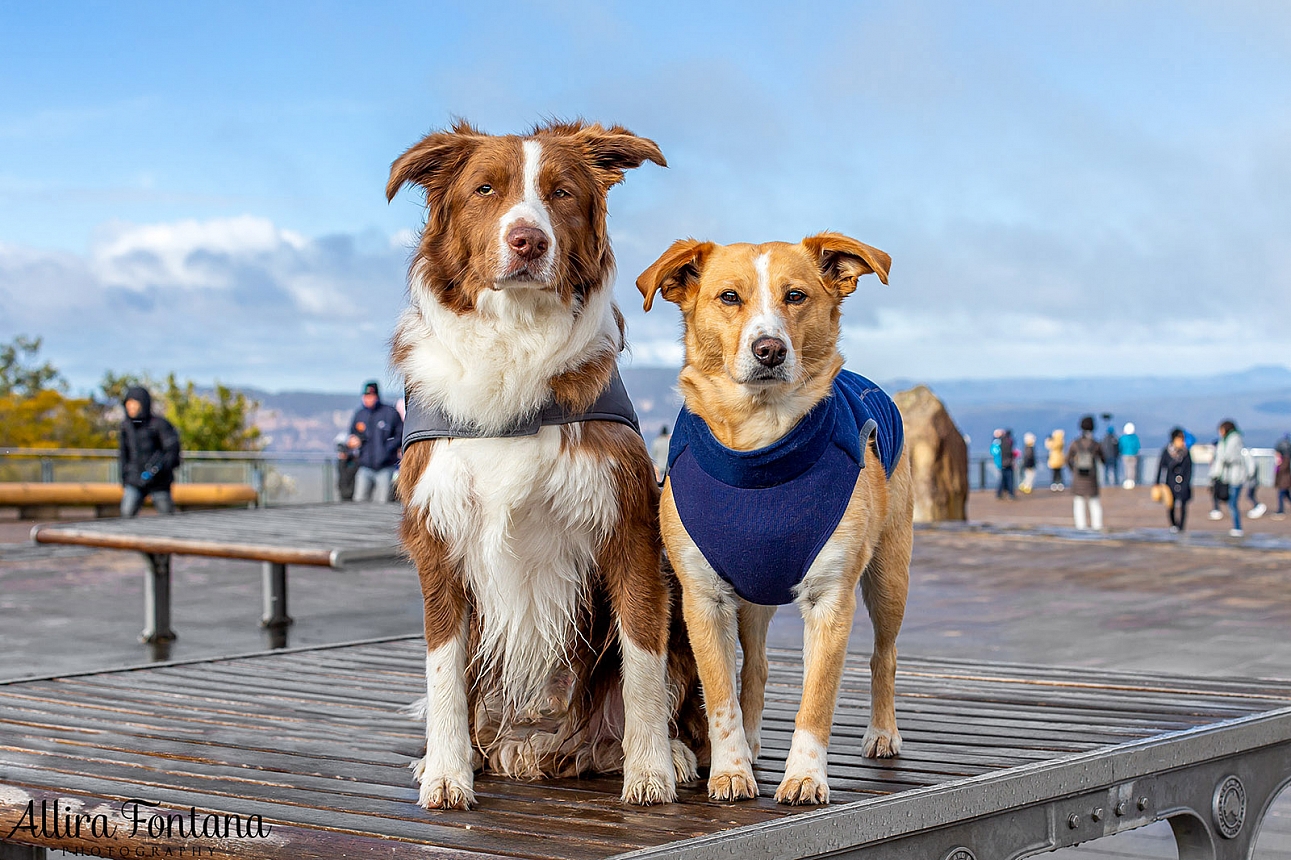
column 1084, row 457
column 1228, row 471
column 149, row 453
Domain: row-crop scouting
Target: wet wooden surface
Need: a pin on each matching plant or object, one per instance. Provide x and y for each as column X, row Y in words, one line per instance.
column 326, row 535
column 312, row 741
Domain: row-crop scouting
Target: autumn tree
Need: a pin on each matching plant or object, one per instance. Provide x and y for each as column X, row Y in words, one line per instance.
column 35, row 409
column 220, row 421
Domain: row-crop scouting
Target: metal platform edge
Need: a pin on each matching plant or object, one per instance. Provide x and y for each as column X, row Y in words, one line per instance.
column 1212, row 783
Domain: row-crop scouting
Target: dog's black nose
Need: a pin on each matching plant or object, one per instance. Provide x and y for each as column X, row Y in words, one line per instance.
column 528, row 243
column 770, row 351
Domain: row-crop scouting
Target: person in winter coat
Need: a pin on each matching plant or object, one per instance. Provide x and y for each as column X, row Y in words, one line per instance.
column 347, row 467
column 1084, row 457
column 1130, row 447
column 1282, row 472
column 1258, row 508
column 1111, row 457
column 1028, row 463
column 1002, row 453
column 376, row 432
column 1056, row 444
column 1174, row 470
column 1228, row 471
column 149, row 453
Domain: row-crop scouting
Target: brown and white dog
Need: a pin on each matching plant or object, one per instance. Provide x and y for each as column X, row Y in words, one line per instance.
column 546, row 612
column 761, row 351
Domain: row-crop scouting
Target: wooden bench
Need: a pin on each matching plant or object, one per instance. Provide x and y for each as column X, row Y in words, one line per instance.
column 35, row 500
column 335, row 535
column 305, row 750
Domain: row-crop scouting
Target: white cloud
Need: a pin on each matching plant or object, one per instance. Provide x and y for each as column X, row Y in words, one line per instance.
column 239, row 298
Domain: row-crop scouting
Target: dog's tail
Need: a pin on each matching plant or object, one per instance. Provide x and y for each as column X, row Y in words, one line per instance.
column 417, row 710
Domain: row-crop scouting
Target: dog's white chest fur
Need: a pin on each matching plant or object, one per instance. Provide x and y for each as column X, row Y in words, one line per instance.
column 493, row 366
column 522, row 517
column 523, row 521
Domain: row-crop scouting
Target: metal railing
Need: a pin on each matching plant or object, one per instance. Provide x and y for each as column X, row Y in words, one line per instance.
column 279, row 477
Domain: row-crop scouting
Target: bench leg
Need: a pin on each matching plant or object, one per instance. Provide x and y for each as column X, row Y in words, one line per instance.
column 156, row 600
column 14, row 851
column 275, row 596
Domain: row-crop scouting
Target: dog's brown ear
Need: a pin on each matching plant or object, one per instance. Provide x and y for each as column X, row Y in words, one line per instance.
column 675, row 273
column 431, row 161
column 615, row 150
column 843, row 260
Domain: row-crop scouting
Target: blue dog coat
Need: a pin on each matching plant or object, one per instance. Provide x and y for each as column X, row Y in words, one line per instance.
column 761, row 517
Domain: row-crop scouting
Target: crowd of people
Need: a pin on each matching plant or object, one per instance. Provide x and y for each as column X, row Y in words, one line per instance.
column 1088, row 463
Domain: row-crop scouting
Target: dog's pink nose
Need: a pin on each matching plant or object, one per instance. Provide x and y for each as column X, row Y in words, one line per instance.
column 770, row 351
column 528, row 243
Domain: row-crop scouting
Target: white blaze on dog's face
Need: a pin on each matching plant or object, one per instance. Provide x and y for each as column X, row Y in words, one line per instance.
column 766, row 316
column 516, row 212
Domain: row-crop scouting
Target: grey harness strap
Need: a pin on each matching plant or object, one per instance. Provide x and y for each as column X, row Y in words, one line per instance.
column 429, row 422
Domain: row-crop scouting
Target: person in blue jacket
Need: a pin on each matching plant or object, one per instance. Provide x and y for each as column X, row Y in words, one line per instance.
column 1130, row 447
column 376, row 432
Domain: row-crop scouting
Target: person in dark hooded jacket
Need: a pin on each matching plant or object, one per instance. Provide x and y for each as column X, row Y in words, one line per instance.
column 149, row 451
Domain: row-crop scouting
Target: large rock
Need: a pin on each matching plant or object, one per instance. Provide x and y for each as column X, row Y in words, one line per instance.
column 938, row 457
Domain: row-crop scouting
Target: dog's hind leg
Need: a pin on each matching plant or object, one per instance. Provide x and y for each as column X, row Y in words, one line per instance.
column 753, row 620
column 884, row 587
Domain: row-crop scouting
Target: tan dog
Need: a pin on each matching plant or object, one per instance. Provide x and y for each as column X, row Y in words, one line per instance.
column 761, row 339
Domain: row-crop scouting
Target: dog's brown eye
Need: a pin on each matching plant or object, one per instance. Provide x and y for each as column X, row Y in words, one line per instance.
column 484, row 190
column 730, row 297
column 560, row 192
column 795, row 297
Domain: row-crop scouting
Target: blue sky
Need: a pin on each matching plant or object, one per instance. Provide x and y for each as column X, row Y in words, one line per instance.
column 1096, row 188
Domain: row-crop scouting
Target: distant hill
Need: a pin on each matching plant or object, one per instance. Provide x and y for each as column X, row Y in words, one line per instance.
column 1258, row 399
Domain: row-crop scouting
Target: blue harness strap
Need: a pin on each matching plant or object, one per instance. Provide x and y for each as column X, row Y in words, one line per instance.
column 761, row 517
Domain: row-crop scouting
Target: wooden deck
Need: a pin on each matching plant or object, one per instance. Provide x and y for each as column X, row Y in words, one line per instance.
column 327, row 535
column 311, row 740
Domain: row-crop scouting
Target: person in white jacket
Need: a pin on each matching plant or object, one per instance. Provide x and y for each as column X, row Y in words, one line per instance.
column 1229, row 467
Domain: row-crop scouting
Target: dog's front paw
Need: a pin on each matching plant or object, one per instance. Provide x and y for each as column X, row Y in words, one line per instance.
column 732, row 785
column 649, row 788
column 443, row 791
column 804, row 782
column 803, row 790
column 684, row 763
column 881, row 743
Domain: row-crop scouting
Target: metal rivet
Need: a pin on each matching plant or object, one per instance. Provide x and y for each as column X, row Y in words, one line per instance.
column 1143, row 803
column 1120, row 808
column 1073, row 821
column 1098, row 814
